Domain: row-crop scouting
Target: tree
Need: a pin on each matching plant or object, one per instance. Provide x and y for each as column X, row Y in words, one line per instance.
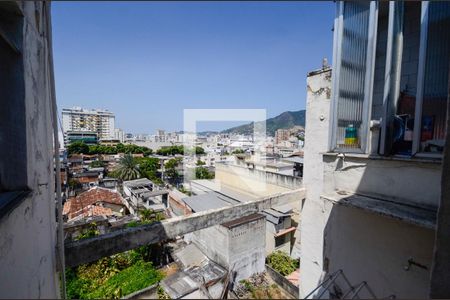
column 171, row 171
column 203, row 173
column 148, row 167
column 199, row 150
column 200, row 163
column 128, row 168
column 238, row 151
column 77, row 148
column 170, row 150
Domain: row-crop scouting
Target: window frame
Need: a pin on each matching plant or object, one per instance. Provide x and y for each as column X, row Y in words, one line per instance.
column 424, row 21
column 368, row 81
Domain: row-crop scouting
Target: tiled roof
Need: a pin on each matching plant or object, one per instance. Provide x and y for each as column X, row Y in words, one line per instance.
column 94, row 210
column 81, row 203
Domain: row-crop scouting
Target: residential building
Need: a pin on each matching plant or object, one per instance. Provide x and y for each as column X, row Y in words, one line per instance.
column 96, row 120
column 160, row 136
column 88, row 137
column 144, row 194
column 96, row 201
column 279, row 229
column 281, row 135
column 119, row 134
column 375, row 131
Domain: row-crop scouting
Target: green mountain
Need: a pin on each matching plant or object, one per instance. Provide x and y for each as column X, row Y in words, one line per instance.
column 285, row 120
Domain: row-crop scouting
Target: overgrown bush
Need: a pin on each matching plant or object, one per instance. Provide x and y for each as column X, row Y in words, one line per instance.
column 111, row 277
column 282, row 263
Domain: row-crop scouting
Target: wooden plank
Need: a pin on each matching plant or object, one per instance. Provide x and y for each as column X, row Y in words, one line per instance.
column 92, row 249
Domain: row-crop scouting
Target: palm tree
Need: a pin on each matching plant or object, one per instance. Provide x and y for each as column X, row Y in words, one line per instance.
column 128, row 168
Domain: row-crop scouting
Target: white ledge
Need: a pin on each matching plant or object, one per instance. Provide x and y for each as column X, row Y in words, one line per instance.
column 415, row 215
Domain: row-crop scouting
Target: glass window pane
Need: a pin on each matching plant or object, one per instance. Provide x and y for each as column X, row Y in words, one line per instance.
column 436, row 78
column 405, row 62
column 352, row 74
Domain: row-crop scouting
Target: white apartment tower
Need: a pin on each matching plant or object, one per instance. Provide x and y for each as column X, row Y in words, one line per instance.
column 98, row 121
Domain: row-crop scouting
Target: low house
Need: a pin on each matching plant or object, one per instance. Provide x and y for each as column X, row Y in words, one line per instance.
column 144, row 194
column 279, row 229
column 95, row 202
column 87, row 179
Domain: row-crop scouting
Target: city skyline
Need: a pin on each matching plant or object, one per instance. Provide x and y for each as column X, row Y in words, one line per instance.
column 145, row 62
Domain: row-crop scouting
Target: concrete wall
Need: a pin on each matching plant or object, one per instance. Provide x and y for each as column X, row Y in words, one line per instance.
column 214, row 242
column 247, row 246
column 376, row 249
column 406, row 181
column 241, row 248
column 313, row 215
column 255, row 181
column 28, row 232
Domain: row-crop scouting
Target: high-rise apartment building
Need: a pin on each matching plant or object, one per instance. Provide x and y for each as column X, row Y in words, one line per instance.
column 119, row 135
column 98, row 121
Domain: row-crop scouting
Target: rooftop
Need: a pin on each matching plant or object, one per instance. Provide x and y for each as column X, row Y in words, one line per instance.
column 79, row 204
column 210, row 200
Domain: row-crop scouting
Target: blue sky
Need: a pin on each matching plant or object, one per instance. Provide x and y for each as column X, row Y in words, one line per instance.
column 147, row 61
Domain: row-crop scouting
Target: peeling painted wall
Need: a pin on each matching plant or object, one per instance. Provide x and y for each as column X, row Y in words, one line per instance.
column 241, row 248
column 314, row 213
column 28, row 233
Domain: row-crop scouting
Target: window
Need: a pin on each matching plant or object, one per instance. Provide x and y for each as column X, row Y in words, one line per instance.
column 281, row 240
column 432, row 111
column 417, row 69
column 354, row 48
column 13, row 150
column 392, row 62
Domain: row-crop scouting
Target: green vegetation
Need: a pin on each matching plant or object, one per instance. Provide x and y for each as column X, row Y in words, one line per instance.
column 258, row 287
column 282, row 263
column 173, row 150
column 162, row 294
column 90, row 232
column 148, row 216
column 238, row 151
column 184, row 191
column 170, row 150
column 97, row 164
column 111, row 277
column 130, row 280
column 117, row 275
column 148, row 167
column 77, row 148
column 200, row 163
column 81, row 147
column 171, row 171
column 128, row 168
column 203, row 173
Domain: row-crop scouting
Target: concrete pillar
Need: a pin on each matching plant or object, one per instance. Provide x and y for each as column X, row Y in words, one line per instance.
column 440, row 272
column 313, row 216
